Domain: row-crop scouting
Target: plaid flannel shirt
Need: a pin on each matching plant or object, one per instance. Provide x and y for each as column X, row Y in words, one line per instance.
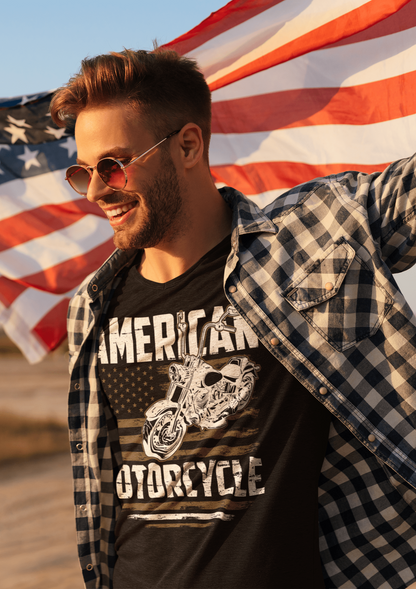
column 312, row 274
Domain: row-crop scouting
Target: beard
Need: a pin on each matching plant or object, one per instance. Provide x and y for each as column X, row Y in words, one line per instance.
column 161, row 210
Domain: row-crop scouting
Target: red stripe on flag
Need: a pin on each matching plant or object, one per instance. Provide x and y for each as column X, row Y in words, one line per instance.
column 224, row 19
column 253, row 179
column 67, row 275
column 356, row 105
column 44, row 220
column 343, row 26
column 9, row 290
column 402, row 20
column 51, row 329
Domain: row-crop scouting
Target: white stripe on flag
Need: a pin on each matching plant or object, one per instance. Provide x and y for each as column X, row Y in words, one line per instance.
column 318, row 145
column 345, row 66
column 24, row 195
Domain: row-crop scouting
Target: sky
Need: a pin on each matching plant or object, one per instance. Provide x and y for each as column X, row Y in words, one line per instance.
column 43, row 42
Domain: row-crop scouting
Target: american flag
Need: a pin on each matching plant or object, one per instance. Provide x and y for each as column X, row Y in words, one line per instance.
column 300, row 90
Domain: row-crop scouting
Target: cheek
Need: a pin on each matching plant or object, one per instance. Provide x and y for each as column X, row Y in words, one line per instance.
column 134, row 179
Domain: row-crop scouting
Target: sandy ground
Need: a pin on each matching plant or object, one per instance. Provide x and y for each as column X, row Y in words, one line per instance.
column 37, row 530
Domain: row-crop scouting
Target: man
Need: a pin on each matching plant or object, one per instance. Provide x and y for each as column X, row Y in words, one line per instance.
column 225, row 360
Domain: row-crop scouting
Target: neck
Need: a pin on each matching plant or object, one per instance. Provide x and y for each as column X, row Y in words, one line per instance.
column 202, row 228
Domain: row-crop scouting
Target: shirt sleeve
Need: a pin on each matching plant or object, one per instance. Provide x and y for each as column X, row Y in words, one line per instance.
column 390, row 199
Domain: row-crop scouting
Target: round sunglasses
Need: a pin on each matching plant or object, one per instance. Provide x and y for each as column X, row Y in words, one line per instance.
column 111, row 171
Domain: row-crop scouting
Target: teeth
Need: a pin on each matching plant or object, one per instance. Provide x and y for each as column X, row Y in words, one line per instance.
column 114, row 212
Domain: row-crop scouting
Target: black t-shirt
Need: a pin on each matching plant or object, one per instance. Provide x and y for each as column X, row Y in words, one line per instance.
column 222, row 447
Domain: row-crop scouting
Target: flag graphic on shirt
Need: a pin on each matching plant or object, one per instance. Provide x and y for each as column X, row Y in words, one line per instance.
column 300, row 90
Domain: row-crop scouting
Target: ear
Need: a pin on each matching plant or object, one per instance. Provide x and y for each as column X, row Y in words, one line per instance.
column 191, row 145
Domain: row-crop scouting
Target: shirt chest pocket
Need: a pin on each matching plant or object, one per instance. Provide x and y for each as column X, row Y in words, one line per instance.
column 339, row 297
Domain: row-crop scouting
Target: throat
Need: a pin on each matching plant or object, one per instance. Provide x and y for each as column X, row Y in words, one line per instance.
column 161, row 267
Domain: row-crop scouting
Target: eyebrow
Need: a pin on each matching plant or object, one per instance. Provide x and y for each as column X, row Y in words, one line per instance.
column 115, row 152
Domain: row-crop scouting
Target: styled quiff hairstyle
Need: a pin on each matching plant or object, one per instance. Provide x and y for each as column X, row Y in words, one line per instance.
column 166, row 89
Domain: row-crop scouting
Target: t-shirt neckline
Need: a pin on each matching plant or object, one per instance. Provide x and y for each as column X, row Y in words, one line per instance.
column 214, row 252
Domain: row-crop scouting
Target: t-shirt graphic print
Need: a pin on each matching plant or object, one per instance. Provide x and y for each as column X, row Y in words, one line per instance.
column 178, row 411
column 198, row 394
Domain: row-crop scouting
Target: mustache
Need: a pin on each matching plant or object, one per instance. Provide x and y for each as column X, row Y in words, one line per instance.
column 119, row 198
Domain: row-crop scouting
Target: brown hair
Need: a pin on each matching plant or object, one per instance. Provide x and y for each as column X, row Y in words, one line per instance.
column 167, row 89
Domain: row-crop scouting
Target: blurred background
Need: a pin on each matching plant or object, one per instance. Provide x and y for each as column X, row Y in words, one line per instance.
column 37, row 539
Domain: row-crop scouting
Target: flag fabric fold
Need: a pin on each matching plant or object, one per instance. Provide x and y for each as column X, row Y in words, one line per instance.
column 299, row 90
column 253, row 36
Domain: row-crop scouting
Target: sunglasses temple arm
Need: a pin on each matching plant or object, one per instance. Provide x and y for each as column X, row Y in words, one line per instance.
column 149, row 150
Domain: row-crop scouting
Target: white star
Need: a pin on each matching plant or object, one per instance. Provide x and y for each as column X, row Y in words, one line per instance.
column 1, row 171
column 18, row 122
column 70, row 145
column 4, row 146
column 57, row 133
column 16, row 133
column 26, row 99
column 29, row 157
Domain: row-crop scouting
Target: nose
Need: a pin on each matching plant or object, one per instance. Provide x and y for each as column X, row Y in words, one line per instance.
column 97, row 188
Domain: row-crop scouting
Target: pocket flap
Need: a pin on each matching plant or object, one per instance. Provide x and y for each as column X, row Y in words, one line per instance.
column 323, row 278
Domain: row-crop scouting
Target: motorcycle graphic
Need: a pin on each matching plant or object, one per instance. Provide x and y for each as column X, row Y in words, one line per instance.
column 198, row 393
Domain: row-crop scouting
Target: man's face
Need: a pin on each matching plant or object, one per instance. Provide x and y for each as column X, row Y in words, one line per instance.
column 148, row 211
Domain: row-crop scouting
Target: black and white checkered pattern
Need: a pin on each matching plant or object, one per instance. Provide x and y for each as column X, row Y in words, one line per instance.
column 314, row 271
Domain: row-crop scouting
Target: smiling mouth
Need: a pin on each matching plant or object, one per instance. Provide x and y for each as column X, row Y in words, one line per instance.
column 119, row 211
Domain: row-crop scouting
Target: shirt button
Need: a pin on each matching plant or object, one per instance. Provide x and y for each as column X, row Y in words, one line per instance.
column 371, row 438
column 232, row 289
column 76, row 386
column 83, row 507
column 89, row 567
column 329, row 286
column 323, row 391
column 94, row 287
column 79, row 447
column 274, row 341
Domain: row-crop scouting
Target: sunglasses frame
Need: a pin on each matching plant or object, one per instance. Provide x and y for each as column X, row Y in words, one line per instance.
column 90, row 169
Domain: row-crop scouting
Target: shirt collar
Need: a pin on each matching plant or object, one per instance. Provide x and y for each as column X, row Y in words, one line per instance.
column 247, row 216
column 109, row 270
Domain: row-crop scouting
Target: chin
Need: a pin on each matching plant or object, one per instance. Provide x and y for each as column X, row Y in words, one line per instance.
column 123, row 242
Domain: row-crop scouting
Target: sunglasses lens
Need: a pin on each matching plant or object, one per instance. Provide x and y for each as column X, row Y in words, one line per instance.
column 78, row 178
column 111, row 173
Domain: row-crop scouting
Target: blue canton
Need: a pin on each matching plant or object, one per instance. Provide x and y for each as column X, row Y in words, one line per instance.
column 30, row 142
